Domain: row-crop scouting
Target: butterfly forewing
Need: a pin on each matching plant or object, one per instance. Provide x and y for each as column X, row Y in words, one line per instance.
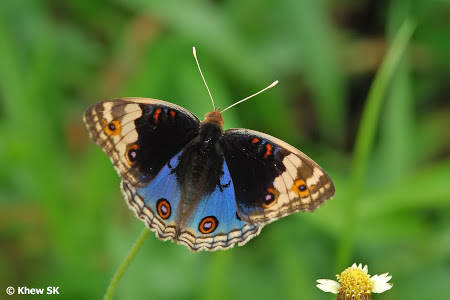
column 140, row 135
column 271, row 178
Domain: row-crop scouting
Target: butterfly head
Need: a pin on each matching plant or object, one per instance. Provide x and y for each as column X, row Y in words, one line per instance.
column 215, row 116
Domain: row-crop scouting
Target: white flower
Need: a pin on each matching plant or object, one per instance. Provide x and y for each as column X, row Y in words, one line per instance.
column 329, row 286
column 381, row 284
column 355, row 283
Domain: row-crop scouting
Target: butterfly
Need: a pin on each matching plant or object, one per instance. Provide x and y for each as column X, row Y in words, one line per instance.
column 193, row 182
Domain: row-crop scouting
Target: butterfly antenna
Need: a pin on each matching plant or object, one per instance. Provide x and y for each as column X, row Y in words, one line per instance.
column 198, row 65
column 270, row 86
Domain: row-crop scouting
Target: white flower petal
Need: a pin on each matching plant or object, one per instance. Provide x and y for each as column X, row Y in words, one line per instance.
column 328, row 285
column 366, row 269
column 380, row 283
column 354, row 265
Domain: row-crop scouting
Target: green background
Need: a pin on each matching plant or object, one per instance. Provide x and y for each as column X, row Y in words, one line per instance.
column 63, row 220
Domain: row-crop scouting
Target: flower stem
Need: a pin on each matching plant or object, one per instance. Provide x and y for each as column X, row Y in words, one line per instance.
column 366, row 134
column 126, row 262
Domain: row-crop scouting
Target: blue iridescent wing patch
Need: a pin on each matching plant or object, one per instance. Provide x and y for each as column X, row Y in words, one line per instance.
column 157, row 203
column 214, row 223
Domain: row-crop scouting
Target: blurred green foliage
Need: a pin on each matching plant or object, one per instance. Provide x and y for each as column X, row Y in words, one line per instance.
column 63, row 221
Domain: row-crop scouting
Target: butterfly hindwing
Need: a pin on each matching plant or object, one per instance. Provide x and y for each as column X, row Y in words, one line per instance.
column 213, row 223
column 210, row 223
column 157, row 203
column 140, row 135
column 271, row 178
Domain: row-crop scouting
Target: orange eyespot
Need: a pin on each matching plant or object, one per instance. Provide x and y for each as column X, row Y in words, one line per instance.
column 299, row 187
column 255, row 140
column 163, row 208
column 112, row 128
column 172, row 114
column 132, row 154
column 208, row 224
column 269, row 199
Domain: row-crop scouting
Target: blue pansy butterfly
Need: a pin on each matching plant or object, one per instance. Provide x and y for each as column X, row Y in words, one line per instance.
column 193, row 182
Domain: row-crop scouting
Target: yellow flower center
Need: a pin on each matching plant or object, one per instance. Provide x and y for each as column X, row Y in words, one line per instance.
column 355, row 284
